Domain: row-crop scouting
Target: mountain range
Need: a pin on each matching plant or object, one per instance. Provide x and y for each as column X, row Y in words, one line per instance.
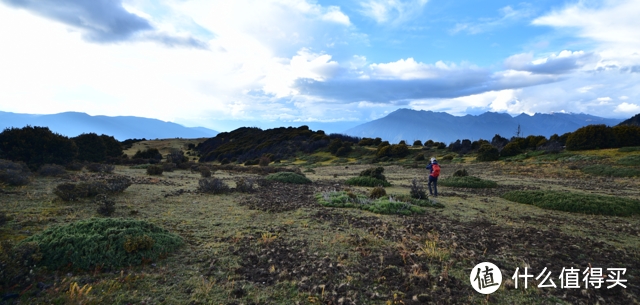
column 410, row 125
column 71, row 124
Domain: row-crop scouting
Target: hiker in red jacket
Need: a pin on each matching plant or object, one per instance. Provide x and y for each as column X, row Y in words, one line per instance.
column 434, row 172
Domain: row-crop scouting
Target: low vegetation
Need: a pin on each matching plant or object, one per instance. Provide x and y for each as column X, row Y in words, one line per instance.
column 287, row 177
column 381, row 205
column 467, row 181
column 103, row 242
column 576, row 202
column 633, row 160
column 608, row 170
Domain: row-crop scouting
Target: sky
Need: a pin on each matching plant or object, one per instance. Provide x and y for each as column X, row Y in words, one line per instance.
column 226, row 64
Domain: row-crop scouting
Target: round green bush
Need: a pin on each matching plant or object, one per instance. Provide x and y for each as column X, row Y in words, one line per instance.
column 510, row 150
column 591, row 137
column 577, row 203
column 287, row 177
column 467, row 181
column 106, row 242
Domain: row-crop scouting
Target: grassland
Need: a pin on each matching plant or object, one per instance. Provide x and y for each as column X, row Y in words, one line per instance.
column 279, row 245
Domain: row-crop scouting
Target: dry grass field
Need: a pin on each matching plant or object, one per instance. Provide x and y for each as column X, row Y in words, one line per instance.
column 278, row 245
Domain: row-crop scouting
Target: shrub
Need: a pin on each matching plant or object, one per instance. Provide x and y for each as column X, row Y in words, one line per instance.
column 225, row 161
column 3, row 218
column 448, row 157
column 365, row 142
column 100, row 168
column 149, row 153
column 377, row 192
column 154, row 170
column 382, row 205
column 205, row 172
column 576, row 203
column 252, row 162
column 177, row 157
column 419, row 157
column 629, row 149
column 113, row 148
column 117, row 184
column 417, row 190
column 468, row 181
column 51, row 170
column 264, row 161
column 36, row 146
column 102, row 241
column 244, row 185
column 12, row 173
column 367, row 181
column 90, row 147
column 74, row 166
column 17, row 262
column 168, row 167
column 629, row 160
column 374, row 173
column 287, row 177
column 627, row 135
column 417, row 143
column 608, row 170
column 510, row 150
column 486, row 152
column 461, row 173
column 106, row 205
column 591, row 137
column 212, row 186
column 69, row 192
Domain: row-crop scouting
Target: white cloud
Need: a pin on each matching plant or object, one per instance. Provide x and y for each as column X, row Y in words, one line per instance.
column 627, row 108
column 508, row 14
column 616, row 22
column 624, row 97
column 392, row 11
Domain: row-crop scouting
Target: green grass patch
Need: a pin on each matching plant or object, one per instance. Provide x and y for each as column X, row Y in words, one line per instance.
column 608, row 170
column 580, row 158
column 467, row 181
column 554, row 157
column 633, row 160
column 383, row 205
column 140, row 166
column 576, row 203
column 112, row 242
column 287, row 177
column 367, row 181
column 629, row 149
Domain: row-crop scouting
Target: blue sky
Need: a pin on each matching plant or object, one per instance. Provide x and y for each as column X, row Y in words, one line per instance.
column 225, row 64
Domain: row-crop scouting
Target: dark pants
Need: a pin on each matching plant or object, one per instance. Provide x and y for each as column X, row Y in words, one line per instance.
column 435, row 185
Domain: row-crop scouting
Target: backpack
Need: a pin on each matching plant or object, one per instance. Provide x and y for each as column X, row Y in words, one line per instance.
column 436, row 171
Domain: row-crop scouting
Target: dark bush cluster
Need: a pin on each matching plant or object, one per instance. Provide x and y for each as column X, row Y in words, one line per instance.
column 69, row 191
column 95, row 148
column 100, row 168
column 213, row 186
column 168, row 167
column 74, row 166
column 393, row 151
column 149, row 153
column 128, row 143
column 36, row 146
column 205, row 172
column 177, row 157
column 12, row 173
column 51, row 170
column 374, row 173
column 510, row 150
column 155, row 170
column 486, row 152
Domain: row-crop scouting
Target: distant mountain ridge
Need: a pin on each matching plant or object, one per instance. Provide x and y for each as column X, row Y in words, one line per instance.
column 72, row 124
column 410, row 125
column 633, row 121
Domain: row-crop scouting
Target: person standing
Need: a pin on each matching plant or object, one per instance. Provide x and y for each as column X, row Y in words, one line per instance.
column 434, row 172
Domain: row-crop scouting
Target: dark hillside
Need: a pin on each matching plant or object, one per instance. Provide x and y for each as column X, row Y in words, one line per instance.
column 633, row 121
column 249, row 143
